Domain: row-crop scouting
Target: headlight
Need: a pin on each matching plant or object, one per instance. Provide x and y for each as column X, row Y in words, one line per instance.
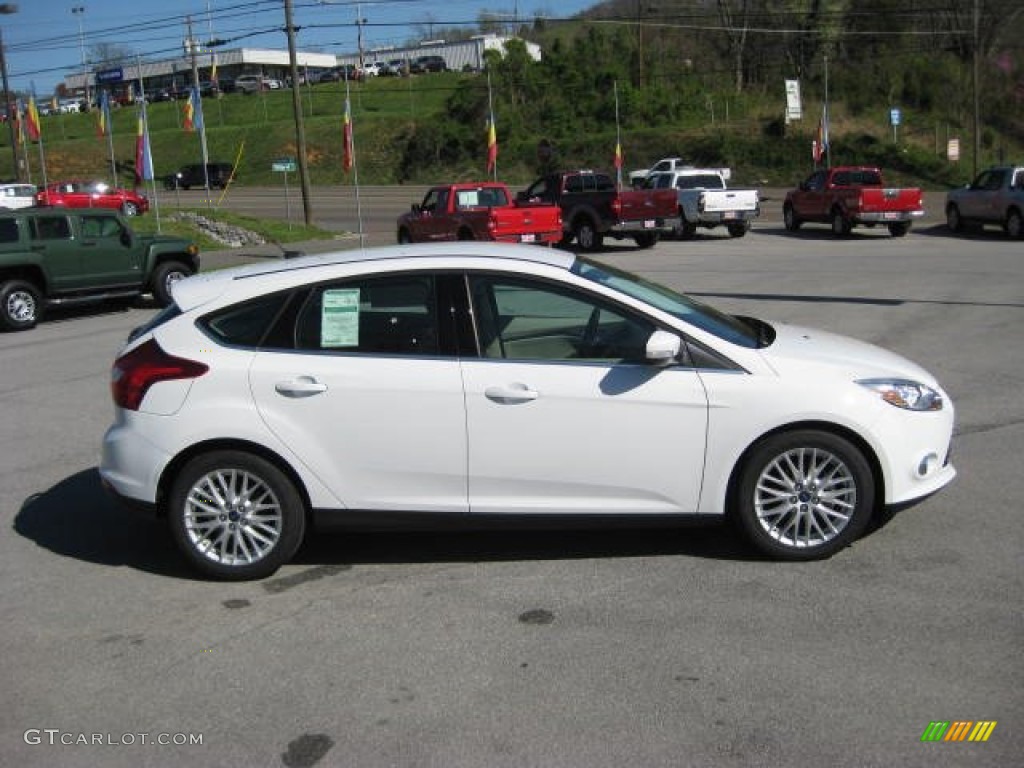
column 904, row 393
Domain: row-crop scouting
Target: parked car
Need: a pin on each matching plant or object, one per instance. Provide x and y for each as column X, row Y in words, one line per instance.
column 13, row 196
column 848, row 196
column 341, row 73
column 373, row 69
column 395, row 68
column 92, row 194
column 51, row 256
column 996, row 196
column 255, row 83
column 593, row 208
column 484, row 383
column 479, row 211
column 423, row 64
column 705, row 200
column 188, row 176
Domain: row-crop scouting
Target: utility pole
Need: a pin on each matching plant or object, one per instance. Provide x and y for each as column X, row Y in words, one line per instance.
column 977, row 100
column 300, row 128
column 79, row 11
column 9, row 8
column 191, row 45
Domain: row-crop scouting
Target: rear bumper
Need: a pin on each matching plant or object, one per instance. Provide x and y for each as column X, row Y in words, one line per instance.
column 637, row 226
column 887, row 217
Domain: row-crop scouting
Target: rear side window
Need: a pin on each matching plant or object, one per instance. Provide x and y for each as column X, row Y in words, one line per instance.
column 394, row 315
column 8, row 230
column 51, row 228
column 245, row 324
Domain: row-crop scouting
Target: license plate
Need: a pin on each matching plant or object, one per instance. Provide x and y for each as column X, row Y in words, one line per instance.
column 649, row 224
column 729, row 215
column 527, row 238
column 890, row 215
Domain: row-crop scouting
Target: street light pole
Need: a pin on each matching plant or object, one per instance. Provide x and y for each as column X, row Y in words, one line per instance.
column 79, row 11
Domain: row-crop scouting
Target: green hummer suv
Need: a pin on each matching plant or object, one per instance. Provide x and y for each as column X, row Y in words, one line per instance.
column 54, row 256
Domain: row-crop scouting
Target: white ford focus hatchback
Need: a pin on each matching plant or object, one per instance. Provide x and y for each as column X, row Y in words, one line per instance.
column 467, row 383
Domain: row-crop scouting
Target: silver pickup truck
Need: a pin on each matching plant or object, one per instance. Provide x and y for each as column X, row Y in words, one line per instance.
column 705, row 201
column 995, row 197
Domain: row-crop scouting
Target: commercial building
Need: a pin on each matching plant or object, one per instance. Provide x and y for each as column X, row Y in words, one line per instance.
column 461, row 55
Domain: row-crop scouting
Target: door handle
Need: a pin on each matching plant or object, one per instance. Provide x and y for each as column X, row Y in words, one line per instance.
column 301, row 386
column 508, row 394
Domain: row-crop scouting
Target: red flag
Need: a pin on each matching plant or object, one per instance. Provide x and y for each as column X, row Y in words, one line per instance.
column 348, row 156
column 32, row 120
column 492, row 145
column 189, row 110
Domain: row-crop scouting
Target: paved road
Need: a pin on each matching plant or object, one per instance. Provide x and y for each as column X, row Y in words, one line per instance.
column 584, row 649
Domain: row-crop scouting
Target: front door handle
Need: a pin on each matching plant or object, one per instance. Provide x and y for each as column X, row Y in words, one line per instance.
column 511, row 393
column 300, row 386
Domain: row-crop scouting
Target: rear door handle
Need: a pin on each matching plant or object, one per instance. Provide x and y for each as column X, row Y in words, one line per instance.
column 511, row 393
column 300, row 386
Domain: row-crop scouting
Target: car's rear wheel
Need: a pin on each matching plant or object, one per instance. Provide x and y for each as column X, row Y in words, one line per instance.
column 803, row 495
column 235, row 515
column 164, row 277
column 738, row 228
column 899, row 229
column 789, row 219
column 646, row 239
column 953, row 219
column 840, row 226
column 129, row 209
column 1014, row 225
column 404, row 237
column 20, row 305
column 587, row 236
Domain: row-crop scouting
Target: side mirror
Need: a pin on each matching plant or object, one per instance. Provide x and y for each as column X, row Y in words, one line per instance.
column 415, row 207
column 663, row 348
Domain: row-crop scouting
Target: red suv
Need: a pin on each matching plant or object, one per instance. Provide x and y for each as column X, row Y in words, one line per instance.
column 92, row 194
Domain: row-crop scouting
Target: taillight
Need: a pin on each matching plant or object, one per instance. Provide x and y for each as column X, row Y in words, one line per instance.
column 617, row 207
column 133, row 375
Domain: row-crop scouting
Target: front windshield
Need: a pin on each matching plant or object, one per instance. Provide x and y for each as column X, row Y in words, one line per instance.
column 687, row 309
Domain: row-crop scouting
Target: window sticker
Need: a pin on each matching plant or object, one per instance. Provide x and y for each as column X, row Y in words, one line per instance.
column 339, row 318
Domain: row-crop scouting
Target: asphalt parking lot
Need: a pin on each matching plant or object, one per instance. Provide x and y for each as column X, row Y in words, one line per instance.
column 624, row 648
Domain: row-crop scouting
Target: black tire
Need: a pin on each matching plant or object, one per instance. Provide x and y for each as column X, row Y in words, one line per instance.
column 646, row 239
column 587, row 236
column 954, row 221
column 840, row 226
column 899, row 229
column 738, row 228
column 803, row 495
column 1014, row 224
column 164, row 276
column 212, row 510
column 21, row 305
column 465, row 234
column 404, row 238
column 129, row 208
column 789, row 218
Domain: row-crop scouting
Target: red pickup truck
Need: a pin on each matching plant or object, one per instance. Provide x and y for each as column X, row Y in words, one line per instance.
column 848, row 196
column 479, row 211
column 593, row 208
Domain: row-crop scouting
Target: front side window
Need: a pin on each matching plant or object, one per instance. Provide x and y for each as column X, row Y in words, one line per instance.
column 687, row 309
column 390, row 315
column 520, row 319
column 100, row 226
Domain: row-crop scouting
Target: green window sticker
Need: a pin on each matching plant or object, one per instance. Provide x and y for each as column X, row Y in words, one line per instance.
column 339, row 318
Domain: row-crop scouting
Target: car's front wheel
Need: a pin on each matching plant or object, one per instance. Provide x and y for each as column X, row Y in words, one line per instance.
column 164, row 278
column 235, row 515
column 20, row 305
column 789, row 218
column 803, row 495
column 953, row 220
column 1014, row 225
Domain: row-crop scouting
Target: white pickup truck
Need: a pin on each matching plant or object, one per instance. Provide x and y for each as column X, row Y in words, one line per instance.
column 705, row 201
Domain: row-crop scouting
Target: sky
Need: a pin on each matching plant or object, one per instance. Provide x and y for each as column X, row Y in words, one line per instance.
column 44, row 39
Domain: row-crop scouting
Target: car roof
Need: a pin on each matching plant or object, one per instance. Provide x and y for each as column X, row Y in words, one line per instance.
column 205, row 287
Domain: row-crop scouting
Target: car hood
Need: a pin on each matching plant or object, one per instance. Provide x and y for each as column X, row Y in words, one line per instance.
column 797, row 350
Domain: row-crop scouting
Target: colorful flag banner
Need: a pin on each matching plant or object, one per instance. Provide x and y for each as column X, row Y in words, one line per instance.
column 143, row 154
column 348, row 155
column 32, row 126
column 618, row 155
column 193, row 111
column 103, row 120
column 492, row 144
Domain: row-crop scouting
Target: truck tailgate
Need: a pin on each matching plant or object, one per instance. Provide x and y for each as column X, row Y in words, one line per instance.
column 877, row 199
column 721, row 200
column 527, row 223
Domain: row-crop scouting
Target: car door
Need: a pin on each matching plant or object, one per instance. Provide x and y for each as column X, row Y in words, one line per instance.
column 809, row 198
column 108, row 254
column 433, row 222
column 565, row 417
column 368, row 394
column 51, row 237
